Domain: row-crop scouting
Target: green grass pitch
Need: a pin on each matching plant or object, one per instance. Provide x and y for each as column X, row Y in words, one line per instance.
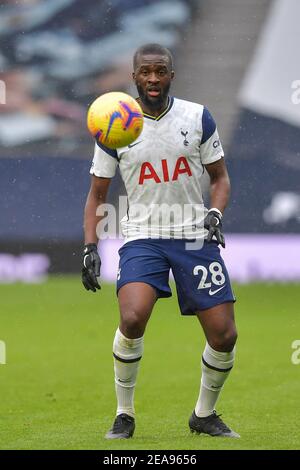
column 57, row 389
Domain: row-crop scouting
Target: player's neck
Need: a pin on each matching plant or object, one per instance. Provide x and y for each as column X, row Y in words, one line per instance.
column 153, row 111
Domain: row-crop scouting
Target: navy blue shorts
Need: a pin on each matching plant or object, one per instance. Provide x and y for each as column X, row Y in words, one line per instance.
column 201, row 277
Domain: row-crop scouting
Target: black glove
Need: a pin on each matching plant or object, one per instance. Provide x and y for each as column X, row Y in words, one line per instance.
column 213, row 223
column 91, row 267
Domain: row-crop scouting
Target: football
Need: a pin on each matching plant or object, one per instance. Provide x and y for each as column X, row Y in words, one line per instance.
column 115, row 120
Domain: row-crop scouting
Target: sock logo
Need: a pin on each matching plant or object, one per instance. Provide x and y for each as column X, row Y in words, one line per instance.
column 126, row 381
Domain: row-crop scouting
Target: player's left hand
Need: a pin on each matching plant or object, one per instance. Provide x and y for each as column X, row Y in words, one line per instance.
column 91, row 267
column 213, row 223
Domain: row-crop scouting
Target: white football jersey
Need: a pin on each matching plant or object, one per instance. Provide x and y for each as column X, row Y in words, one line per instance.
column 161, row 171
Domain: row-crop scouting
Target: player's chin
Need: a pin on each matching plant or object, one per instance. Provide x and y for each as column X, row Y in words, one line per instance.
column 155, row 101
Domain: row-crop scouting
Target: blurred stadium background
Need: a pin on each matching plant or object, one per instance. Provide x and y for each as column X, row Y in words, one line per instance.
column 57, row 56
column 240, row 59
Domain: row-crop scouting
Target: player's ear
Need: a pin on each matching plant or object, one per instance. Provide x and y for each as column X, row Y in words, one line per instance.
column 133, row 76
column 172, row 74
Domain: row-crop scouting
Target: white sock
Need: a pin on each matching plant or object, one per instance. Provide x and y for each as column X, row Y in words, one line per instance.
column 127, row 354
column 216, row 367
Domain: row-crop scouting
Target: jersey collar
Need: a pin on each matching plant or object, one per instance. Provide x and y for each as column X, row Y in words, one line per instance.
column 170, row 104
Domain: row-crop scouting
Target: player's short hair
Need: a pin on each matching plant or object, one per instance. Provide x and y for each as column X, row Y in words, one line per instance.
column 152, row 48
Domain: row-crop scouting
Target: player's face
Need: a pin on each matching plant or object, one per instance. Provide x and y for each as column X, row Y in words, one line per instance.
column 153, row 77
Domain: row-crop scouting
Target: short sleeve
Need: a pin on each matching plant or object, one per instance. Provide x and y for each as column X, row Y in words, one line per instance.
column 105, row 162
column 210, row 148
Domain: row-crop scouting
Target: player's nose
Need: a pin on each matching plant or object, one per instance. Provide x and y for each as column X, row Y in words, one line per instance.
column 153, row 78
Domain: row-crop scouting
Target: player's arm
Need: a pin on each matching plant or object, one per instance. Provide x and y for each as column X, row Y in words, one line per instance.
column 103, row 169
column 219, row 184
column 91, row 260
column 96, row 196
column 219, row 197
column 212, row 157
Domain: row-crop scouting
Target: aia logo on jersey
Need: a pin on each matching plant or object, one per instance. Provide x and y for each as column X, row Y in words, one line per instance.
column 148, row 172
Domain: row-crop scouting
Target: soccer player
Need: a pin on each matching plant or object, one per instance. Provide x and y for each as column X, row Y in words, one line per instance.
column 161, row 171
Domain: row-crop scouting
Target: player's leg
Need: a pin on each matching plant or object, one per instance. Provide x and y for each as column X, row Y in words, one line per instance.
column 136, row 301
column 218, row 356
column 142, row 279
column 204, row 289
column 217, row 361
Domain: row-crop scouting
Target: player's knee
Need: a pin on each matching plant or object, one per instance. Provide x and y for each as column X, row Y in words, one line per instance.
column 224, row 341
column 132, row 324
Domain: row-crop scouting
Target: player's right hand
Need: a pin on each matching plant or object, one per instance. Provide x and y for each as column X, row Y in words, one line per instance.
column 91, row 267
column 213, row 223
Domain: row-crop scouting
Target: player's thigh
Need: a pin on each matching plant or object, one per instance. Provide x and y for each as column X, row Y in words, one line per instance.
column 142, row 261
column 219, row 326
column 201, row 277
column 136, row 301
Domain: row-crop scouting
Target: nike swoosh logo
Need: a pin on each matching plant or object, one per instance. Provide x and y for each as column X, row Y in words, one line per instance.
column 136, row 143
column 215, row 291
